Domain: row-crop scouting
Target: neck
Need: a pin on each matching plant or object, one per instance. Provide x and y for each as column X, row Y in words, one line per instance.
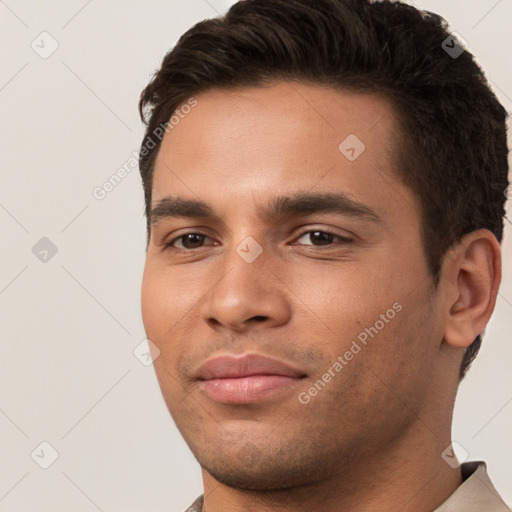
column 410, row 475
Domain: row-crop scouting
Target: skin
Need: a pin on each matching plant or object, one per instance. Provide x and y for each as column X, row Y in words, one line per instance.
column 372, row 438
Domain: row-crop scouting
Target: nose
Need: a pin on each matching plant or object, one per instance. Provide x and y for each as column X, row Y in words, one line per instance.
column 245, row 295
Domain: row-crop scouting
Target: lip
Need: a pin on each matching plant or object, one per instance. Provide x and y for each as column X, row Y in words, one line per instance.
column 244, row 365
column 246, row 378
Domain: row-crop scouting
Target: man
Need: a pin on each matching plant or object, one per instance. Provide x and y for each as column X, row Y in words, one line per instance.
column 325, row 187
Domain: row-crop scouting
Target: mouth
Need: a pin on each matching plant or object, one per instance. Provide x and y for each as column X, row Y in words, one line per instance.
column 247, row 389
column 246, row 378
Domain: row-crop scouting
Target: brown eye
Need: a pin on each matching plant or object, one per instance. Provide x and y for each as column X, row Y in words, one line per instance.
column 321, row 237
column 188, row 241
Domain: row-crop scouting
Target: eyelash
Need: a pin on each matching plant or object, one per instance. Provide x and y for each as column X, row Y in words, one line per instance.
column 169, row 245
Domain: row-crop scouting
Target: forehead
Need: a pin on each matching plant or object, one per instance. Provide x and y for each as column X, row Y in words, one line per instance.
column 279, row 116
column 254, row 142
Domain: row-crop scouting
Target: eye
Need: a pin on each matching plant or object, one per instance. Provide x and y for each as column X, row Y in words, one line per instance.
column 188, row 241
column 323, row 237
column 318, row 237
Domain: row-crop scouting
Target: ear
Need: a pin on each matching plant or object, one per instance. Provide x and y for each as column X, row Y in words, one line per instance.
column 473, row 271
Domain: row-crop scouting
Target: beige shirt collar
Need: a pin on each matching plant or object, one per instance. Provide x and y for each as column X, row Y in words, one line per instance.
column 475, row 494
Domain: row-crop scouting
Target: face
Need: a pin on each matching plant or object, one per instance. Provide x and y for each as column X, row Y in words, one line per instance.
column 335, row 286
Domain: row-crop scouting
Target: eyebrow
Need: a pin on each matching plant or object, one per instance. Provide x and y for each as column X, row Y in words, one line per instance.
column 300, row 204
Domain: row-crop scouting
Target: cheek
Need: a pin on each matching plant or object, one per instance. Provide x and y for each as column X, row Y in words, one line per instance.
column 164, row 300
column 343, row 297
column 169, row 301
column 366, row 316
column 159, row 315
column 151, row 303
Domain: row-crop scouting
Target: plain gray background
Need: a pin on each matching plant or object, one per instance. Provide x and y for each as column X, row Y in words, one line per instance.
column 71, row 320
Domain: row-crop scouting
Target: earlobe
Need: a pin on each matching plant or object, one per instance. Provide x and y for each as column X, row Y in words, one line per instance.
column 476, row 275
